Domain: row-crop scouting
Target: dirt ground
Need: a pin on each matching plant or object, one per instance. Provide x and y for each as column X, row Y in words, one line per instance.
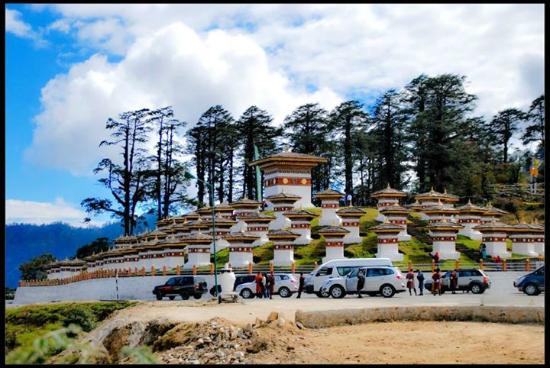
column 408, row 343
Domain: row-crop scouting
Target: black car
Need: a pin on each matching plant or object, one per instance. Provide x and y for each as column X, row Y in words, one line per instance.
column 184, row 286
column 532, row 283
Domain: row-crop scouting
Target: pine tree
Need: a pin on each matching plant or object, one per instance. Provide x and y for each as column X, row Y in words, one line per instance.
column 504, row 125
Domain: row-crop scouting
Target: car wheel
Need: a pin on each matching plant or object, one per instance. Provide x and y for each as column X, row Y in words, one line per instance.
column 284, row 292
column 372, row 293
column 159, row 296
column 387, row 291
column 337, row 292
column 197, row 296
column 171, row 297
column 184, row 296
column 321, row 294
column 476, row 288
column 246, row 294
column 531, row 289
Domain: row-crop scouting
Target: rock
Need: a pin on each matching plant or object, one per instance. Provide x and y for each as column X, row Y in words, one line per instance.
column 273, row 316
column 300, row 325
column 289, row 348
column 280, row 322
column 239, row 354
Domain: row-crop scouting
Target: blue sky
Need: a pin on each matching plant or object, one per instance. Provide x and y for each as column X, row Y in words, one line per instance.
column 69, row 67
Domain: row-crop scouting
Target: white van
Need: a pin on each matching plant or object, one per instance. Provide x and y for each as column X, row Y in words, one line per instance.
column 338, row 267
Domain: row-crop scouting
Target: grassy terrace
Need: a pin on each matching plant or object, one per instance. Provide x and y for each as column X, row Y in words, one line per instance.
column 416, row 250
column 25, row 325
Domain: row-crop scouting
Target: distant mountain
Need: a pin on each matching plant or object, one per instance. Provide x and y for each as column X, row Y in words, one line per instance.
column 26, row 241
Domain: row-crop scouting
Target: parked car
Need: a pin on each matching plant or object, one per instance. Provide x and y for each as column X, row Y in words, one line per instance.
column 239, row 279
column 184, row 286
column 473, row 280
column 338, row 268
column 285, row 285
column 532, row 283
column 378, row 279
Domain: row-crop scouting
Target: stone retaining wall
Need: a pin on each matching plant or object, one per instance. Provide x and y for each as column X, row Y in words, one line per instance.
column 321, row 319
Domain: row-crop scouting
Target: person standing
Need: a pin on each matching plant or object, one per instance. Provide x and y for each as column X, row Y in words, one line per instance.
column 420, row 278
column 264, row 285
column 436, row 286
column 436, row 259
column 497, row 261
column 301, row 283
column 410, row 282
column 483, row 251
column 360, row 282
column 271, row 284
column 259, row 290
column 454, row 281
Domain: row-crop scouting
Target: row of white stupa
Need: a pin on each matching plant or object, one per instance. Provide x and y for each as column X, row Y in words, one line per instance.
column 240, row 227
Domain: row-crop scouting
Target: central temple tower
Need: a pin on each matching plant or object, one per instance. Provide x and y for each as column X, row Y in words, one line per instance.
column 289, row 172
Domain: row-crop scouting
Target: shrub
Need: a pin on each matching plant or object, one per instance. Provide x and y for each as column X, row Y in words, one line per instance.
column 82, row 317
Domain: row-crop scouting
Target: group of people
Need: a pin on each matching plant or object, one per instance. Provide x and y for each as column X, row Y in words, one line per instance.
column 265, row 285
column 436, row 284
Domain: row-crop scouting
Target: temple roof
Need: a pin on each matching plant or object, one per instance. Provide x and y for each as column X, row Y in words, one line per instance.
column 471, row 208
column 283, row 197
column 299, row 214
column 440, row 209
column 259, row 217
column 493, row 226
column 441, row 225
column 246, row 203
column 432, row 194
column 289, row 158
column 66, row 262
column 224, row 206
column 527, row 228
column 350, row 212
column 332, row 230
column 386, row 227
column 282, row 234
column 394, row 209
column 329, row 194
column 388, row 192
column 242, row 237
column 493, row 211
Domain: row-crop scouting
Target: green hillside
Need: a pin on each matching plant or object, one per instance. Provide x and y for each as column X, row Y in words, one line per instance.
column 416, row 250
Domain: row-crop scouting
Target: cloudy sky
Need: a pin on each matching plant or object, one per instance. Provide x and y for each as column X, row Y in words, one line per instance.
column 70, row 67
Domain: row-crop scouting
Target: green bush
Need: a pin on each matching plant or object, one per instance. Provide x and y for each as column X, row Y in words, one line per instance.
column 84, row 318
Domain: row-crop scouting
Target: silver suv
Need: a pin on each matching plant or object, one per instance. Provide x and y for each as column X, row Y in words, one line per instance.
column 379, row 279
column 285, row 285
column 473, row 280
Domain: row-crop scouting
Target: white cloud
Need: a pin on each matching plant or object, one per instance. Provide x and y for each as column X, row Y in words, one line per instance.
column 18, row 27
column 172, row 66
column 29, row 212
column 267, row 55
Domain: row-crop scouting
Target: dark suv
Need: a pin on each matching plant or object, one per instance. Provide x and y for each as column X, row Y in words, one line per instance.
column 473, row 280
column 184, row 286
column 532, row 283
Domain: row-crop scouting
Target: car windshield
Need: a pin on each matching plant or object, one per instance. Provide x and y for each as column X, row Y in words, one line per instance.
column 171, row 281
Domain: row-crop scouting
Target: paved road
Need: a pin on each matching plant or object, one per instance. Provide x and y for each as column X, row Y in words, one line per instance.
column 501, row 293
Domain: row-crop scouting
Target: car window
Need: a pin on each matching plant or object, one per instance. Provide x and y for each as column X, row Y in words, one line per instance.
column 172, row 281
column 464, row 273
column 343, row 271
column 476, row 273
column 186, row 280
column 540, row 271
column 283, row 277
column 388, row 271
column 325, row 271
column 353, row 272
column 372, row 272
